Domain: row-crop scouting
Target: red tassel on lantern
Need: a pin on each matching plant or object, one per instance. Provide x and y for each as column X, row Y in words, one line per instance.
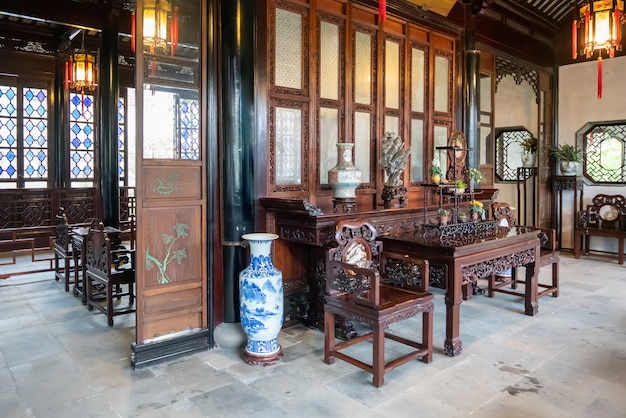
column 574, row 40
column 132, row 31
column 382, row 10
column 67, row 76
column 600, row 77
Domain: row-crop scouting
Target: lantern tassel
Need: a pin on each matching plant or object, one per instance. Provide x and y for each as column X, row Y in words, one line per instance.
column 132, row 31
column 382, row 10
column 600, row 77
column 67, row 75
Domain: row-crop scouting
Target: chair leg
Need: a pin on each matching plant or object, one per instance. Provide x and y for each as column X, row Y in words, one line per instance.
column 88, row 290
column 56, row 267
column 620, row 251
column 427, row 335
column 490, row 285
column 66, row 274
column 329, row 337
column 378, row 363
column 109, row 300
column 555, row 279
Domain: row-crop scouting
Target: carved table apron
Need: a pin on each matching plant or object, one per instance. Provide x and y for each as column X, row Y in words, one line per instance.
column 468, row 261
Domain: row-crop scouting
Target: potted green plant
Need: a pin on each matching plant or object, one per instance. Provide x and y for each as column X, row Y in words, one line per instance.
column 475, row 177
column 529, row 146
column 568, row 157
column 435, row 173
column 477, row 209
column 444, row 215
column 460, row 186
column 462, row 216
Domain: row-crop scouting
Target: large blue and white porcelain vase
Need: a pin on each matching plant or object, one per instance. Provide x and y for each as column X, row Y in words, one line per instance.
column 261, row 302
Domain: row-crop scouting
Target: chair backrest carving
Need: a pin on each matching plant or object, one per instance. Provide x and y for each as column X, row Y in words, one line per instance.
column 352, row 266
column 98, row 249
column 61, row 231
column 503, row 214
column 605, row 212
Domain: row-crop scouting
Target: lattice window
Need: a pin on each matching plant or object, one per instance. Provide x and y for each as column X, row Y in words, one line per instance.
column 509, row 151
column 23, row 135
column 82, row 146
column 121, row 139
column 35, row 125
column 189, row 129
column 604, row 150
column 8, row 133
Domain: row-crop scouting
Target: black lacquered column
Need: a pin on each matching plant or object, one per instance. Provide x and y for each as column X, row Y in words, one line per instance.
column 108, row 155
column 59, row 114
column 237, row 141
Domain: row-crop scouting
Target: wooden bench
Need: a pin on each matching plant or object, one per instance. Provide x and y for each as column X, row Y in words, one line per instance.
column 605, row 217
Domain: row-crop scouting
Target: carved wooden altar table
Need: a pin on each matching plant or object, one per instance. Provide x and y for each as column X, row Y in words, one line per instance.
column 465, row 258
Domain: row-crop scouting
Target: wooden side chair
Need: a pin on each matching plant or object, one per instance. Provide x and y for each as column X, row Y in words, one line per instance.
column 105, row 275
column 63, row 250
column 365, row 285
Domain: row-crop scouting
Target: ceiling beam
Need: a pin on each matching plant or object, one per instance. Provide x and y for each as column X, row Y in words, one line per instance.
column 66, row 12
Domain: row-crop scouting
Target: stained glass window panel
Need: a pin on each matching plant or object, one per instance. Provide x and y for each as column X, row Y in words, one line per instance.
column 288, row 49
column 288, row 146
column 189, row 129
column 329, row 136
column 121, row 140
column 82, row 147
column 35, row 133
column 8, row 132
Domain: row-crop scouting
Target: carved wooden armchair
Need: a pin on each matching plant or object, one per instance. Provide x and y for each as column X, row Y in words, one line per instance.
column 365, row 285
column 108, row 269
column 549, row 256
column 63, row 250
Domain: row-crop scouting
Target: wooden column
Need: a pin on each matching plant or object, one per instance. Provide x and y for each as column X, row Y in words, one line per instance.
column 108, row 97
column 238, row 121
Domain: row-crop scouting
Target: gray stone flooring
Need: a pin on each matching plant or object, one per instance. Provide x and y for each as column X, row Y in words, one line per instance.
column 57, row 359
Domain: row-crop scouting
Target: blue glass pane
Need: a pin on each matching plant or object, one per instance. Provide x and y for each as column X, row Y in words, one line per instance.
column 11, row 125
column 29, row 95
column 88, row 171
column 29, row 125
column 75, row 142
column 88, row 143
column 87, row 130
column 41, row 110
column 11, row 94
column 41, row 140
column 41, row 126
column 41, row 96
column 76, row 100
column 87, row 102
column 75, row 113
column 29, row 140
column 10, row 109
column 30, row 170
column 11, row 171
column 10, row 140
column 10, row 156
column 76, row 171
column 75, row 157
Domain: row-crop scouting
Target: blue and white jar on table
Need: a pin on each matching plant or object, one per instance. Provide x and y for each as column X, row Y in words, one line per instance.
column 261, row 302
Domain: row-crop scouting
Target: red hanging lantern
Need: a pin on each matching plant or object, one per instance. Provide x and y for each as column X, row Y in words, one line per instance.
column 382, row 10
column 601, row 22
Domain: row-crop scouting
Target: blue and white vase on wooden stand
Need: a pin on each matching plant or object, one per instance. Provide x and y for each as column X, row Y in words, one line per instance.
column 261, row 302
